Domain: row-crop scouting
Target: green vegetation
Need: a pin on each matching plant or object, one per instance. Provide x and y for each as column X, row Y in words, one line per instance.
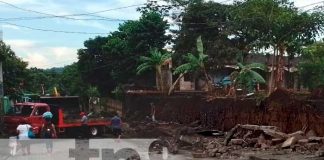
column 194, row 64
column 312, row 66
column 247, row 77
column 155, row 60
column 210, row 35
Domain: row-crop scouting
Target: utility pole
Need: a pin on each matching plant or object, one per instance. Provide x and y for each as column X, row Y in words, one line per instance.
column 1, row 81
column 1, row 75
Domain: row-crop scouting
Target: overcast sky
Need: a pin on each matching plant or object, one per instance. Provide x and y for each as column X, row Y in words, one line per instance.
column 49, row 49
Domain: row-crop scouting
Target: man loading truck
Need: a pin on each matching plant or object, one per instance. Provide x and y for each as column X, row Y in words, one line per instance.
column 66, row 117
column 84, row 125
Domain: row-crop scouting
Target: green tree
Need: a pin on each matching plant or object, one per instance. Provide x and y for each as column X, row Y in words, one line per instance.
column 71, row 83
column 155, row 61
column 277, row 24
column 108, row 62
column 247, row 77
column 14, row 71
column 92, row 65
column 195, row 63
column 311, row 68
column 210, row 20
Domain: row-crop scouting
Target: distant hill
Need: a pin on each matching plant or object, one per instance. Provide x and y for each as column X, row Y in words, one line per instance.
column 55, row 69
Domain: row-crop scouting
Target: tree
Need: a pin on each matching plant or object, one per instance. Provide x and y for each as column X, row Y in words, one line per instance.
column 246, row 77
column 14, row 71
column 108, row 62
column 194, row 64
column 311, row 68
column 210, row 20
column 155, row 61
column 279, row 26
column 71, row 83
column 92, row 65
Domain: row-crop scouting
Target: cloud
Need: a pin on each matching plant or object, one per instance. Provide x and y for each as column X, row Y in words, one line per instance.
column 21, row 44
column 36, row 60
column 17, row 2
column 40, row 56
column 8, row 26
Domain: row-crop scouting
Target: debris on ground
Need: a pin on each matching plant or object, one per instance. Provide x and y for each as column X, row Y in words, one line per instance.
column 234, row 144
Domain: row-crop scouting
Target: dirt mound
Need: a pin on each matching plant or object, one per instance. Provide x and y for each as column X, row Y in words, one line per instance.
column 280, row 95
column 150, row 130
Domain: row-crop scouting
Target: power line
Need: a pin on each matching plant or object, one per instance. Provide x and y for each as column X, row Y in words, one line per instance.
column 46, row 17
column 57, row 31
column 312, row 4
column 69, row 16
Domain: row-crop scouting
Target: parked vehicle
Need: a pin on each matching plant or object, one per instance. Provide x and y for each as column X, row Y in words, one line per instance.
column 66, row 116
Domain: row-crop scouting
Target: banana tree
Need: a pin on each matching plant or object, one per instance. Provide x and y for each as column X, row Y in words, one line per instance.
column 155, row 60
column 194, row 63
column 246, row 76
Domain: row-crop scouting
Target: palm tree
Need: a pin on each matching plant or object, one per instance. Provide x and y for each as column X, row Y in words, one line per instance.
column 247, row 75
column 154, row 61
column 194, row 63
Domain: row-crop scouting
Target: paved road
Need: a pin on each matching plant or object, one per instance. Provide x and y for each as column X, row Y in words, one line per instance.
column 101, row 147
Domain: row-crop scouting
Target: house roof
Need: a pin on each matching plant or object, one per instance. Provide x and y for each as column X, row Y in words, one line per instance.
column 267, row 59
column 289, row 64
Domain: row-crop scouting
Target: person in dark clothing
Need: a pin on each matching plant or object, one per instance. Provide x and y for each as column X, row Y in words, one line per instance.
column 116, row 124
column 48, row 132
column 84, row 125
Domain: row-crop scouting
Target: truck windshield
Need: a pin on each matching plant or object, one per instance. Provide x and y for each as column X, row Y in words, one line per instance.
column 22, row 110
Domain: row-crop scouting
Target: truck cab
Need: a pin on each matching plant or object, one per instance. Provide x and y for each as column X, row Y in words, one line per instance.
column 25, row 112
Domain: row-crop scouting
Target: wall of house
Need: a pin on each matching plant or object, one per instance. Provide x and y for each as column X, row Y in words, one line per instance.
column 280, row 109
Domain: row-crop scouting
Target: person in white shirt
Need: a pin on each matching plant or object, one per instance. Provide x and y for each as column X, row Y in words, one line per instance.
column 23, row 138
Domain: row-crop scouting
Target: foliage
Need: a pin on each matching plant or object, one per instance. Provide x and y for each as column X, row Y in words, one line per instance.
column 311, row 68
column 118, row 93
column 194, row 63
column 155, row 61
column 92, row 92
column 14, row 71
column 247, row 77
column 70, row 81
column 277, row 24
column 38, row 77
column 109, row 61
column 210, row 20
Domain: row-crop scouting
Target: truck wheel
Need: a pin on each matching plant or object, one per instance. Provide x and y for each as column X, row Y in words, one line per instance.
column 94, row 131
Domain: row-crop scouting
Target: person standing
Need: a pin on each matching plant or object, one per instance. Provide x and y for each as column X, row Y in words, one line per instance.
column 84, row 125
column 48, row 131
column 116, row 125
column 22, row 130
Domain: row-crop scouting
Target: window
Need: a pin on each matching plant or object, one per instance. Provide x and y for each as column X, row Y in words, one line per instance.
column 40, row 111
column 22, row 110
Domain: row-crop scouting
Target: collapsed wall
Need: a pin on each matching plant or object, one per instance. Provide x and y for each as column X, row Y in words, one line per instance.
column 281, row 109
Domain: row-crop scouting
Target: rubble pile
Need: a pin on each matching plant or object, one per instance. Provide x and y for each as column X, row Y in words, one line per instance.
column 260, row 138
column 233, row 144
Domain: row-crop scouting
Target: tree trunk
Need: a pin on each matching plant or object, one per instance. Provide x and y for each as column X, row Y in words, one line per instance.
column 175, row 83
column 208, row 82
column 271, row 83
column 157, row 80
column 280, row 67
column 159, row 76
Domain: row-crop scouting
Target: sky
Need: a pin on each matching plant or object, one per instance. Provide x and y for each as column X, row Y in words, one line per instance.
column 44, row 49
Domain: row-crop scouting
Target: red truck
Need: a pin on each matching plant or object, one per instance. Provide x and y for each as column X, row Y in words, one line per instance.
column 65, row 117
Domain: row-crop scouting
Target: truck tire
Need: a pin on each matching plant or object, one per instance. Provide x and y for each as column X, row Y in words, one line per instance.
column 94, row 131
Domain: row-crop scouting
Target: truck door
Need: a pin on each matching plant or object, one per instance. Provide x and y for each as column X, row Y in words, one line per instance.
column 36, row 118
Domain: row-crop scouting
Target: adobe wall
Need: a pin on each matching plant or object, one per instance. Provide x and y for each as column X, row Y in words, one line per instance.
column 280, row 109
